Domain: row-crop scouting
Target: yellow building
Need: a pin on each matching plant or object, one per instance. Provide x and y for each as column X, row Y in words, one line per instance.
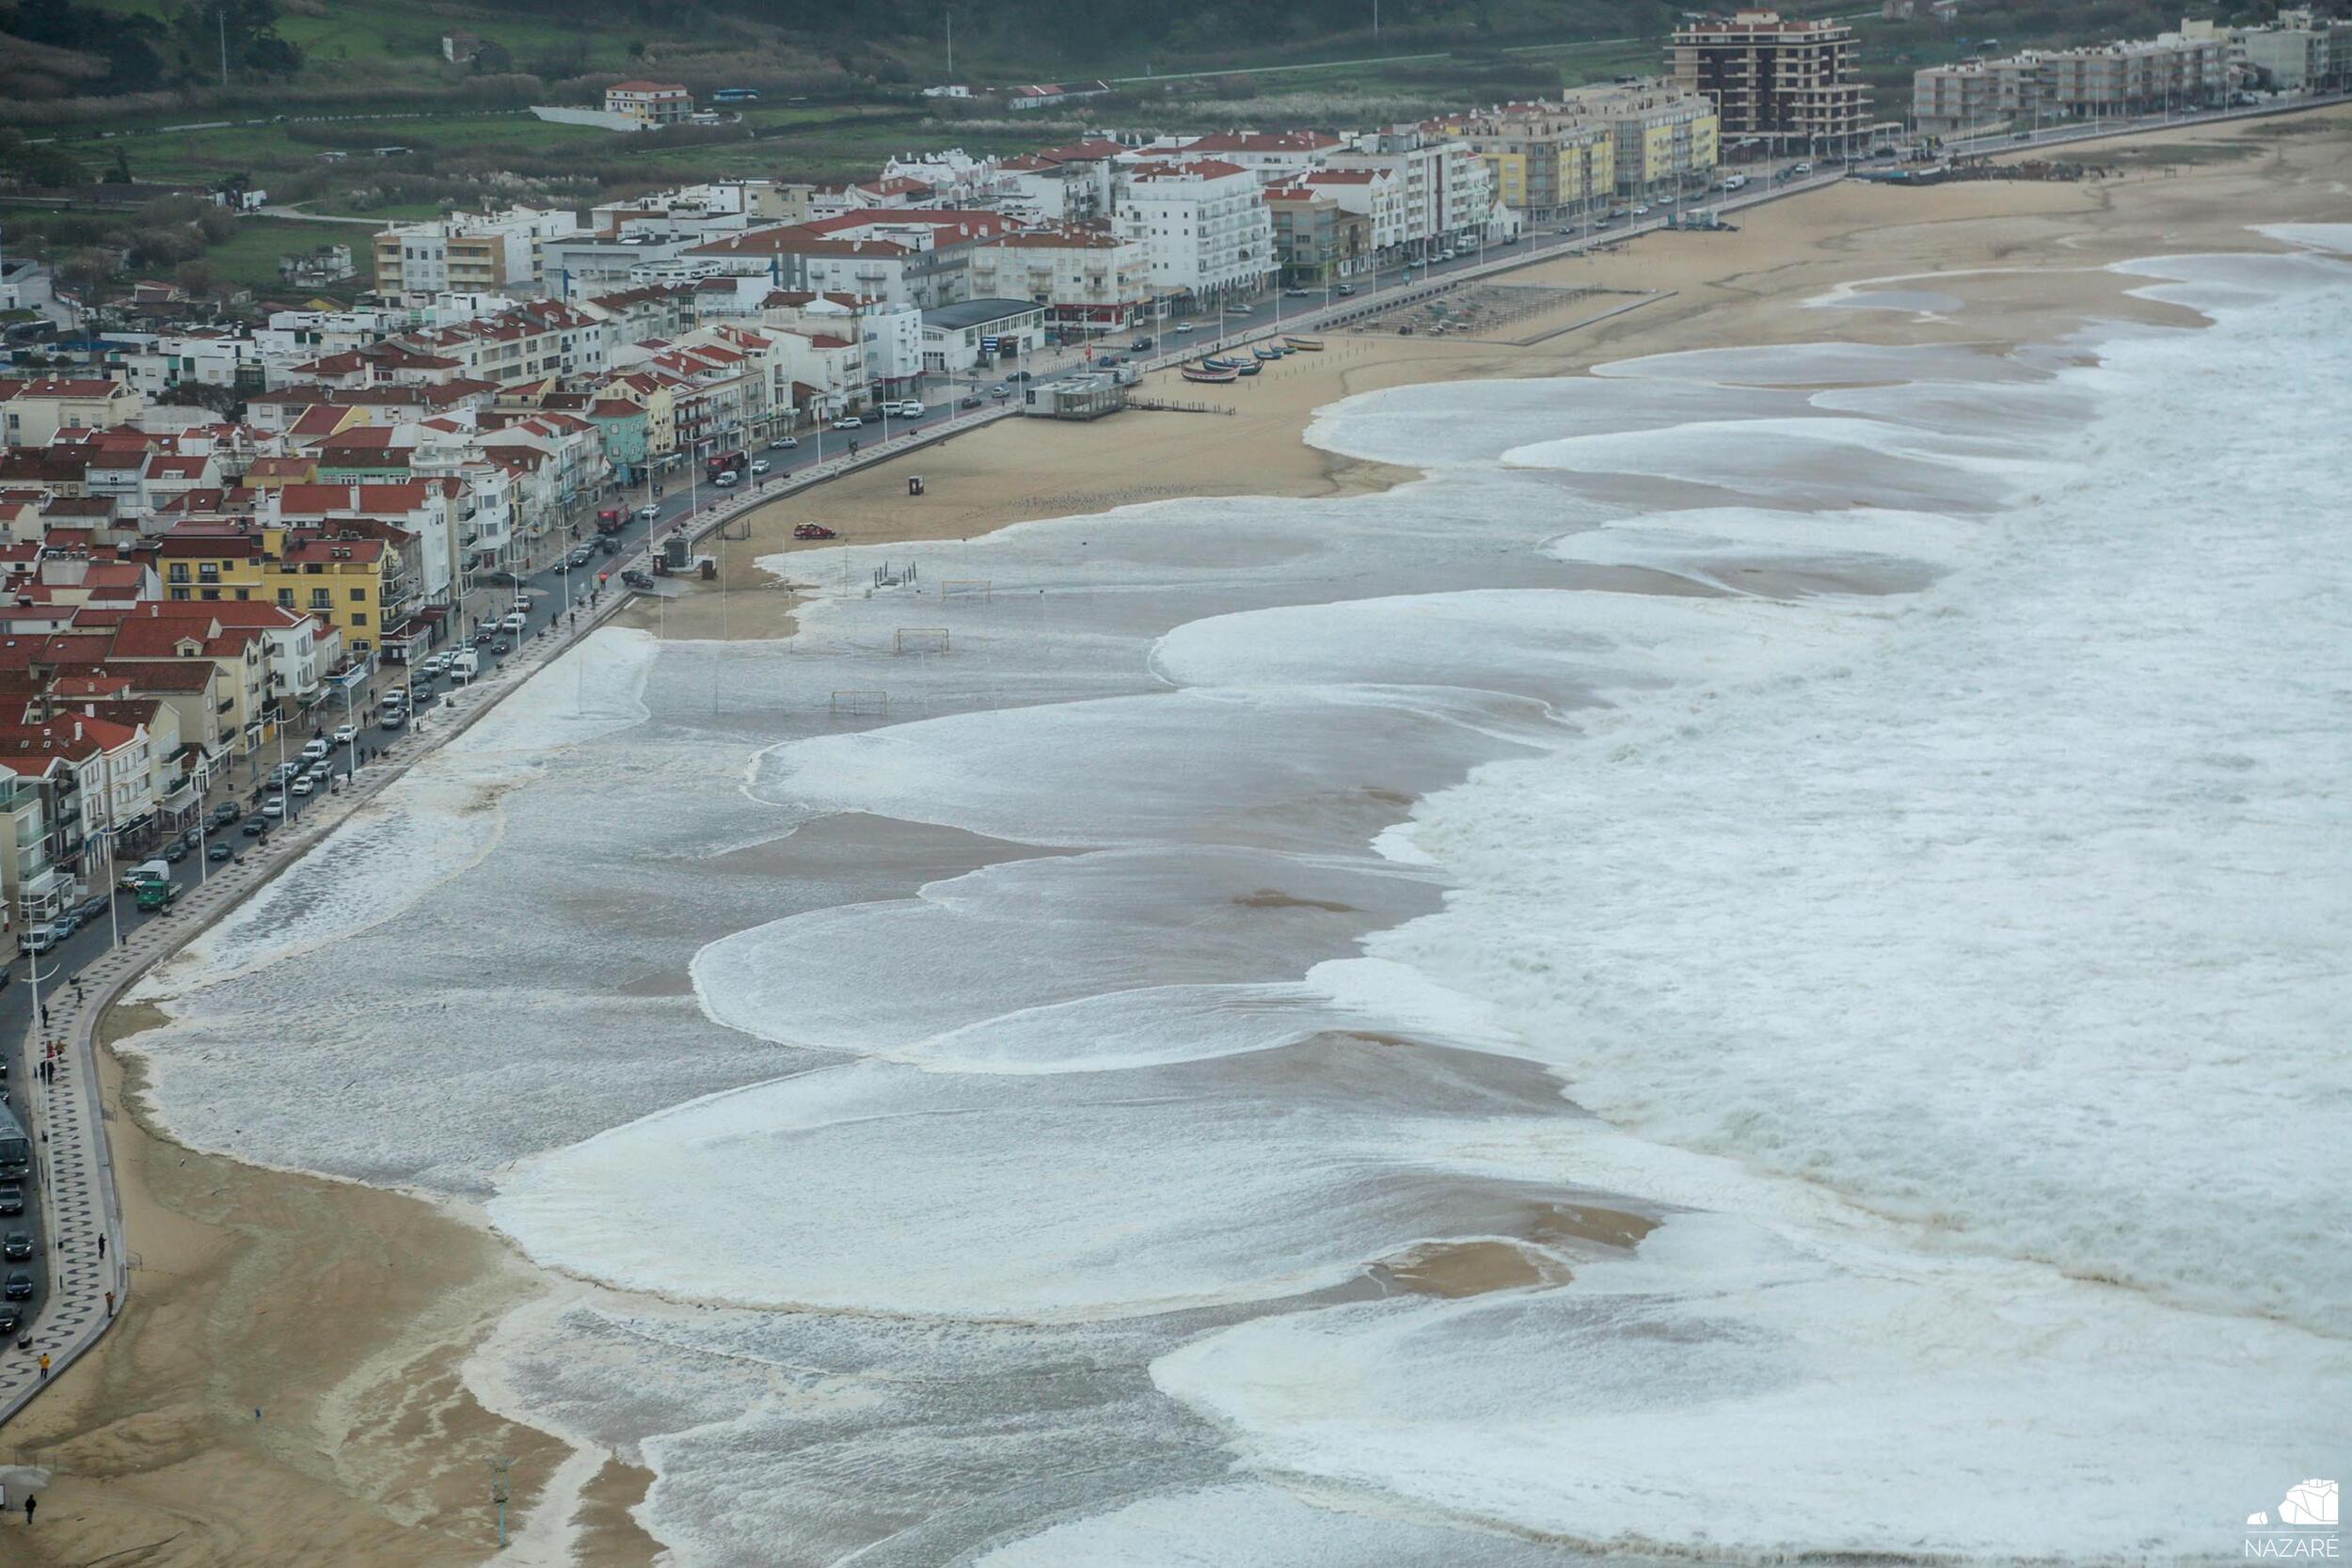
column 362, row 586
column 1550, row 160
column 656, row 394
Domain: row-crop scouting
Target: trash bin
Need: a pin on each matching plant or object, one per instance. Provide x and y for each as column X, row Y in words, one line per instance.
column 915, row 484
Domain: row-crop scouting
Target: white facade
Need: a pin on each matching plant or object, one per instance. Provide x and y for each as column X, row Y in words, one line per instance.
column 1204, row 226
column 1446, row 192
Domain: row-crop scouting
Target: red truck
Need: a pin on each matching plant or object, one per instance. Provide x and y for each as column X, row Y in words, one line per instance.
column 611, row 520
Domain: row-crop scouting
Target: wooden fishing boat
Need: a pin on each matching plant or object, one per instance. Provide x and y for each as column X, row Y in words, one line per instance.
column 1303, row 345
column 1202, row 373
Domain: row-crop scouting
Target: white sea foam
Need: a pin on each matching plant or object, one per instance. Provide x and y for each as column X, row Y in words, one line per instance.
column 1834, row 900
column 881, row 1188
column 1923, row 930
column 1739, row 1391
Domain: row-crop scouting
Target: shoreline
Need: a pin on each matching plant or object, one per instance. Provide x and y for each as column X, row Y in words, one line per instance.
column 148, row 1424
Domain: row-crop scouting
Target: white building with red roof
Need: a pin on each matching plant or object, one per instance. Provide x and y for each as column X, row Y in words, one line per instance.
column 1202, row 224
column 1091, row 278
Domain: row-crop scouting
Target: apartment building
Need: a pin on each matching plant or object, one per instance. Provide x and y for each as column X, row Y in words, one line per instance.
column 650, row 105
column 1784, row 86
column 2141, row 76
column 33, row 411
column 355, row 584
column 1375, row 194
column 1975, row 95
column 465, row 252
column 1317, row 241
column 1445, row 193
column 1202, row 226
column 2300, row 53
column 1089, row 279
column 1546, row 160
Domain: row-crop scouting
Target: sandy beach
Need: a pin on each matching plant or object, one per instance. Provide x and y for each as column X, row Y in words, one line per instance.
column 285, row 1389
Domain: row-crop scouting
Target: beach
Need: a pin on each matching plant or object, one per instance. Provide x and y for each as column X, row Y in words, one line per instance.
column 342, row 1312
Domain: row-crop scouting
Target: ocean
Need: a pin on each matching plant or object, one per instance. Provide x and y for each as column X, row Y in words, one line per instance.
column 1752, row 965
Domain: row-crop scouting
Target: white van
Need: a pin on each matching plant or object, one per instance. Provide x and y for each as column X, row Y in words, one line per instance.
column 465, row 666
column 1735, row 181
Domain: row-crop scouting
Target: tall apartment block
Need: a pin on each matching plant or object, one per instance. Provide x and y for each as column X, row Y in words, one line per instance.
column 1787, row 86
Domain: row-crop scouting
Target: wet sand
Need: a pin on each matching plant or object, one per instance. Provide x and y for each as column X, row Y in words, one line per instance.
column 343, row 1313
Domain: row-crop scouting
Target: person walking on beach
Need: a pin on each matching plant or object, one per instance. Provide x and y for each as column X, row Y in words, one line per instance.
column 28, row 1511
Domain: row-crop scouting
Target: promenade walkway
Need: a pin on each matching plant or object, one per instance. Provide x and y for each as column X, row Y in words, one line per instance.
column 66, row 1117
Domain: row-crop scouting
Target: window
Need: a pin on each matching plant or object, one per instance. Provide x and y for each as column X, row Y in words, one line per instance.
column 322, row 599
column 180, row 594
column 285, row 598
column 357, row 619
column 244, row 593
column 358, row 595
column 180, row 572
column 208, row 594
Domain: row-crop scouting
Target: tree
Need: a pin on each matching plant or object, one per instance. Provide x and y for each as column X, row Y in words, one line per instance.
column 245, row 31
column 38, row 164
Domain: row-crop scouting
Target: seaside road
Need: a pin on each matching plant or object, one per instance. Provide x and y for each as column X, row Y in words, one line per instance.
column 73, row 1171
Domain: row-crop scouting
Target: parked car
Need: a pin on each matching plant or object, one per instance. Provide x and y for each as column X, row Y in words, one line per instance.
column 1000, row 393
column 11, row 1321
column 968, row 402
column 16, row 1246
column 609, row 545
column 88, row 910
column 502, row 646
column 177, row 850
column 650, row 511
column 1298, row 293
column 19, row 1286
column 482, row 636
column 273, row 808
column 219, row 853
column 1142, row 345
column 564, row 567
column 724, row 480
column 848, row 421
column 1180, row 328
column 223, row 815
column 514, row 622
column 761, row 465
column 1345, row 290
column 394, row 717
column 302, row 785
column 315, row 749
column 502, row 579
column 1801, row 170
column 785, row 443
column 1019, row 375
column 636, row 578
column 255, row 826
column 814, row 530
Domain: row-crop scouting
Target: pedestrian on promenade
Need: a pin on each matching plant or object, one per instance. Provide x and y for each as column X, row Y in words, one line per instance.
column 28, row 1512
column 45, row 1015
column 44, row 1377
column 110, row 1300
column 102, row 1251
